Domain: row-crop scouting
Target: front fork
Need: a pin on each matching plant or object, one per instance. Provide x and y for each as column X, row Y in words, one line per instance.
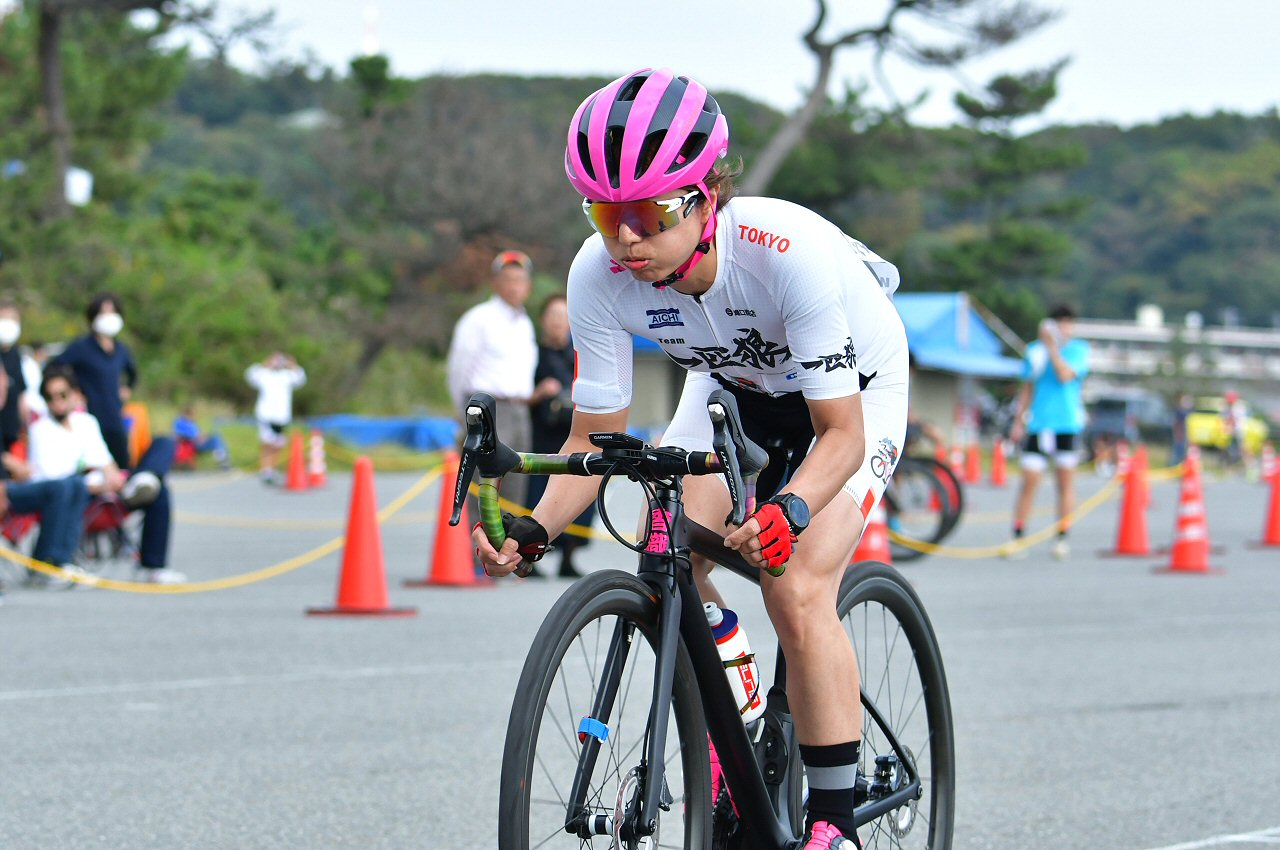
column 658, row 570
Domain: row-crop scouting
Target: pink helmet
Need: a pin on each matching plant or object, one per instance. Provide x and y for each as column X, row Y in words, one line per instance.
column 644, row 135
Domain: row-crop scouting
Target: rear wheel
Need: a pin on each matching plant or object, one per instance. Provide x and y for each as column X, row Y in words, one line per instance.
column 607, row 620
column 904, row 682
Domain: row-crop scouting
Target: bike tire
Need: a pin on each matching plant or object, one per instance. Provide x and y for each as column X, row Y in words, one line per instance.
column 557, row 689
column 921, row 505
column 901, row 668
column 954, row 488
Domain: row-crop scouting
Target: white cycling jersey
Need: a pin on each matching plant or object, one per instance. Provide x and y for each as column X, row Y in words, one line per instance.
column 796, row 306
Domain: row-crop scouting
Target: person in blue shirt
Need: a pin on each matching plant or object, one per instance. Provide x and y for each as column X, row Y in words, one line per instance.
column 106, row 371
column 187, row 430
column 1050, row 418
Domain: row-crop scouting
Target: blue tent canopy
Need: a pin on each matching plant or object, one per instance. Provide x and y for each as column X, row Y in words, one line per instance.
column 945, row 333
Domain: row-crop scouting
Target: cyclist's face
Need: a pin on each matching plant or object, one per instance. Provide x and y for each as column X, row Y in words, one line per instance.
column 654, row 257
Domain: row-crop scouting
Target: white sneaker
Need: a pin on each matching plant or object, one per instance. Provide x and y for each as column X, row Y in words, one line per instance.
column 140, row 490
column 161, row 575
column 1061, row 549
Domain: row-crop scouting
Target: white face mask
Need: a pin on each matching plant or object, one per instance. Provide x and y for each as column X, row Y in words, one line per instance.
column 108, row 324
column 10, row 330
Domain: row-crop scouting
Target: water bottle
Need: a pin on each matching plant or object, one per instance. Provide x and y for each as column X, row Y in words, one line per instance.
column 739, row 663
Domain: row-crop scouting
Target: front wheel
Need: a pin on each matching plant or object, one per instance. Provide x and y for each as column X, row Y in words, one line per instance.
column 601, row 637
column 902, row 679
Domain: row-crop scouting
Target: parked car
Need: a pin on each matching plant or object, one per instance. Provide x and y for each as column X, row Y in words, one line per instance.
column 1207, row 428
column 1126, row 415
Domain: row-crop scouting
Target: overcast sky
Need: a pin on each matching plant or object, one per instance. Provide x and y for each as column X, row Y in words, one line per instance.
column 1132, row 61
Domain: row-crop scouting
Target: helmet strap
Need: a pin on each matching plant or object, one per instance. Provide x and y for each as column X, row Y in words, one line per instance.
column 700, row 250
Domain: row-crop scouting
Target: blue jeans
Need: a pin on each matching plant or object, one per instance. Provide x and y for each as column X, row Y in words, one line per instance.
column 60, row 503
column 153, row 549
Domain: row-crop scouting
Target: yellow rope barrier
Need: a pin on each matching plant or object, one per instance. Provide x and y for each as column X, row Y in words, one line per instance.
column 241, row 580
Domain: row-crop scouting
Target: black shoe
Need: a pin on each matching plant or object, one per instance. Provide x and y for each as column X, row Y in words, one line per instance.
column 568, row 571
column 533, row 573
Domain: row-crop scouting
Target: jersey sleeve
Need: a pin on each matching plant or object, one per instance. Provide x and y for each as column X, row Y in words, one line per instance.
column 602, row 347
column 812, row 299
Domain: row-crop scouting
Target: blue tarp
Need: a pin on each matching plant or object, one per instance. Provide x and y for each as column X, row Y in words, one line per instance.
column 944, row 332
column 423, row 433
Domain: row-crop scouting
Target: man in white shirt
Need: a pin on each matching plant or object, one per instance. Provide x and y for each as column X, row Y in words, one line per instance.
column 275, row 379
column 68, row 443
column 494, row 351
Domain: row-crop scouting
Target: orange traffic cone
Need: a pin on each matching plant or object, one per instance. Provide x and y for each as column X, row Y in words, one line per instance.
column 874, row 545
column 317, row 470
column 999, row 464
column 957, row 459
column 1190, row 552
column 453, row 562
column 362, row 586
column 1131, row 539
column 297, row 477
column 1122, row 459
column 1269, row 467
column 972, row 464
column 1141, row 463
column 1271, row 531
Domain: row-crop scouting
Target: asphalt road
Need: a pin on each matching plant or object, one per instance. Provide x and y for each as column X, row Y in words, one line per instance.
column 1097, row 704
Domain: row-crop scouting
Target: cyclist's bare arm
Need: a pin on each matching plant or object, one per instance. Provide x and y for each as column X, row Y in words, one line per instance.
column 566, row 496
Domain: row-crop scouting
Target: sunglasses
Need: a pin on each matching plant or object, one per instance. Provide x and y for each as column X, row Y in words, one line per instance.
column 643, row 218
column 62, row 396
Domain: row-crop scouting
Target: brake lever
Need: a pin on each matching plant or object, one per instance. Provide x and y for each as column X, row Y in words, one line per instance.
column 741, row 458
column 481, row 450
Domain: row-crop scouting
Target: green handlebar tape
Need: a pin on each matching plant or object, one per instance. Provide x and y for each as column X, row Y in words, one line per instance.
column 491, row 512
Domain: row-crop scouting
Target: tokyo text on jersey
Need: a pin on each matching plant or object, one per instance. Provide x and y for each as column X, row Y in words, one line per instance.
column 796, row 306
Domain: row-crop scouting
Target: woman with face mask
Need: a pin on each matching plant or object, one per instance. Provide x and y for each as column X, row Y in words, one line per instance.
column 106, row 372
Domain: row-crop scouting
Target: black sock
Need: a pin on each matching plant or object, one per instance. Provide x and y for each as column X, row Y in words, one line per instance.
column 1017, row 530
column 832, row 771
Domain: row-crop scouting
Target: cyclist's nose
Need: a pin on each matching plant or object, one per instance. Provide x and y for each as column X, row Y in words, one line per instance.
column 626, row 235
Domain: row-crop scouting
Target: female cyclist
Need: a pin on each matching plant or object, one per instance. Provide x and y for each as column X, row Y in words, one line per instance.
column 773, row 302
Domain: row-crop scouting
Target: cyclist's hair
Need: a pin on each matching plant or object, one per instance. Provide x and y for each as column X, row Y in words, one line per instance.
column 99, row 301
column 56, row 371
column 1062, row 311
column 723, row 176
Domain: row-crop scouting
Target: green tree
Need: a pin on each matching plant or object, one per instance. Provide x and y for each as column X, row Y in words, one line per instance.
column 1011, row 243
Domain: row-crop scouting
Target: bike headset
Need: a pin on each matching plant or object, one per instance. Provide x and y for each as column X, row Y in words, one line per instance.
column 643, row 135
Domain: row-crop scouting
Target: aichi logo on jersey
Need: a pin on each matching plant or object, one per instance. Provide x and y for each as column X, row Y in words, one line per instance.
column 668, row 317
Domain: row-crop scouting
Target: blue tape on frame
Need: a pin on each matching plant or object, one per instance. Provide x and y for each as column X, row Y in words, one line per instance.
column 594, row 728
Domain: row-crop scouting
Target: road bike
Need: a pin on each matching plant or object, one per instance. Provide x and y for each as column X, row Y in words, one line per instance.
column 623, row 690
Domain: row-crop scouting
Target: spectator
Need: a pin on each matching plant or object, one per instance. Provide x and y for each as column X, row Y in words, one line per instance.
column 1053, row 368
column 33, row 362
column 60, row 503
column 69, row 442
column 106, row 372
column 552, row 413
column 275, row 379
column 493, row 351
column 1234, row 417
column 14, row 413
column 187, row 430
column 1178, row 447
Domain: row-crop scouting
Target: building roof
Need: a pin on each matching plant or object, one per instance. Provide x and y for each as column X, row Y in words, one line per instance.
column 944, row 332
